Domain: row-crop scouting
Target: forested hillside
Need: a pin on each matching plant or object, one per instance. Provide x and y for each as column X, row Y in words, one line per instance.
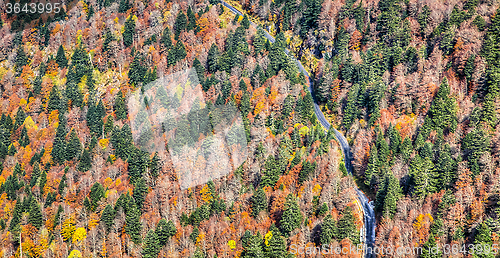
column 76, row 183
column 414, row 84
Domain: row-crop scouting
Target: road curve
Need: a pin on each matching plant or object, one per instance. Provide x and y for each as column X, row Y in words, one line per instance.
column 369, row 214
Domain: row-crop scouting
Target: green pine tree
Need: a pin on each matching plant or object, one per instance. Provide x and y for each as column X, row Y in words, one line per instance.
column 140, row 191
column 129, row 30
column 430, row 249
column 21, row 59
column 154, row 166
column 259, row 202
column 245, row 23
column 213, row 59
column 61, row 59
column 292, row 217
column 275, row 246
column 120, row 107
column 347, row 227
column 97, row 192
column 253, row 247
column 133, row 225
column 73, row 148
column 108, row 216
column 35, row 215
column 151, row 247
column 165, row 230
column 372, row 169
column 191, row 20
column 328, row 230
column 24, row 139
column 166, row 39
column 180, row 24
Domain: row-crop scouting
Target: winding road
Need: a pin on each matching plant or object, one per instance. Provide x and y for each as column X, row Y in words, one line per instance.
column 369, row 214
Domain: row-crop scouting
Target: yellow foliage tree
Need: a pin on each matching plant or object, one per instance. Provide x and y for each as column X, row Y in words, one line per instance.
column 206, row 194
column 79, row 235
column 68, row 228
column 75, row 254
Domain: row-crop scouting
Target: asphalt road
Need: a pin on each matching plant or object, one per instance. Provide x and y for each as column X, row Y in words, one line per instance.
column 369, row 214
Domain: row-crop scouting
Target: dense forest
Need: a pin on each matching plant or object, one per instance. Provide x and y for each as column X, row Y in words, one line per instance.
column 413, row 85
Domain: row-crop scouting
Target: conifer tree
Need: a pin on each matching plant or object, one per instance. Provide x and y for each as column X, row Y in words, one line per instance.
column 328, row 230
column 166, row 39
column 245, row 23
column 253, row 247
column 372, row 169
column 137, row 71
column 347, row 227
column 21, row 59
column 200, row 70
column 406, row 149
column 73, row 148
column 24, row 139
column 292, row 217
column 54, row 102
column 213, row 59
column 151, row 247
column 74, row 94
column 180, row 24
column 424, row 176
column 129, row 30
column 165, row 230
column 120, row 107
column 59, row 149
column 133, row 224
column 388, row 196
column 61, row 59
column 62, row 184
column 139, row 194
column 124, row 6
column 259, row 202
column 20, row 117
column 35, row 215
column 275, row 246
column 443, row 109
column 95, row 116
column 429, row 247
column 107, row 216
column 16, row 215
column 191, row 25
